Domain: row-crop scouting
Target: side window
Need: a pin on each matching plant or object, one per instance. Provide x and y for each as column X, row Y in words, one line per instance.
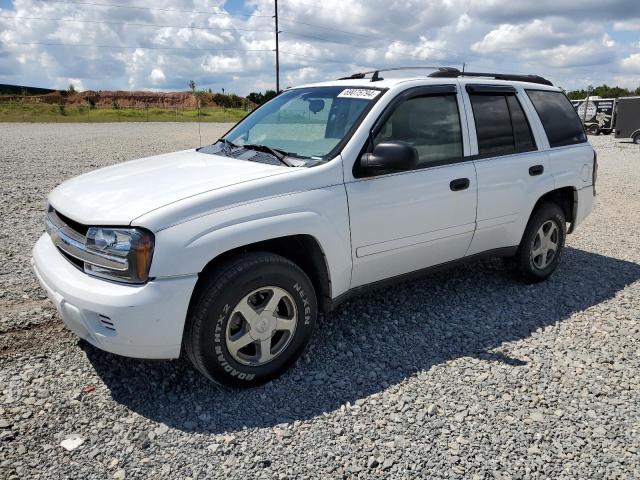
column 521, row 129
column 558, row 117
column 493, row 124
column 431, row 124
column 501, row 124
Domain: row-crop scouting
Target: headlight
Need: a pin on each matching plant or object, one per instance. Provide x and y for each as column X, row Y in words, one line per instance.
column 128, row 251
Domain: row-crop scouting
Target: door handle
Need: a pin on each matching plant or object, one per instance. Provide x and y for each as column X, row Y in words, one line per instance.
column 536, row 170
column 459, row 184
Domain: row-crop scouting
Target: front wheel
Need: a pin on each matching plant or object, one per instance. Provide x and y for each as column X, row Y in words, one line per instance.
column 539, row 252
column 251, row 320
column 636, row 139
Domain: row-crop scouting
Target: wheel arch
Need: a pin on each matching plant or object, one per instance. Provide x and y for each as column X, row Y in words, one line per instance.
column 566, row 198
column 302, row 249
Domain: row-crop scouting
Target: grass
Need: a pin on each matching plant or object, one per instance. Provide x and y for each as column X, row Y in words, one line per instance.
column 16, row 112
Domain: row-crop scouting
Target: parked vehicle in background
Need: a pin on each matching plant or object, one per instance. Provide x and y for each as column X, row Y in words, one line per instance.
column 628, row 118
column 597, row 114
column 228, row 252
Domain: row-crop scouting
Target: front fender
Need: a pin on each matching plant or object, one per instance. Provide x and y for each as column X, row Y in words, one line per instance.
column 186, row 248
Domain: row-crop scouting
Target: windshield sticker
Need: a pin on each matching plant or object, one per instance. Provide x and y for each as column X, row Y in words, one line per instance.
column 364, row 93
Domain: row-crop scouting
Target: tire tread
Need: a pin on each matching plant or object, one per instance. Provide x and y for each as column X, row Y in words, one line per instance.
column 216, row 282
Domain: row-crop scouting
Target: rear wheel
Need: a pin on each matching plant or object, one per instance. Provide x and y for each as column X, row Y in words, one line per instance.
column 593, row 130
column 251, row 321
column 539, row 252
column 636, row 138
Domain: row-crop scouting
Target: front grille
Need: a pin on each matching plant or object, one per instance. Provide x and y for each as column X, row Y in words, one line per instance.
column 74, row 261
column 72, row 224
column 70, row 238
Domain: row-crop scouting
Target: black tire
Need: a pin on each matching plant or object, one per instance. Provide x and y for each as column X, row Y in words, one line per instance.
column 205, row 330
column 522, row 263
column 636, row 139
column 593, row 130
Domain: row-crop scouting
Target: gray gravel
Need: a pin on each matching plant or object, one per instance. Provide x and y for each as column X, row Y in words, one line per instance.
column 464, row 374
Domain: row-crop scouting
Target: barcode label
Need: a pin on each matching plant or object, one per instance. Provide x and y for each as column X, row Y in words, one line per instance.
column 364, row 93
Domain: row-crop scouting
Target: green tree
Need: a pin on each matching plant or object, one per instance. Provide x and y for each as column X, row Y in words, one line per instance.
column 192, row 86
column 72, row 89
column 603, row 91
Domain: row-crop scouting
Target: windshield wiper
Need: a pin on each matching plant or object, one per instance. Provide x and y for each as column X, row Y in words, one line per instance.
column 227, row 143
column 279, row 154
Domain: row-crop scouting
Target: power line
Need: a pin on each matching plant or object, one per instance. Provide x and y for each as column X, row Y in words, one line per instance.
column 363, row 47
column 134, row 7
column 372, row 67
column 133, row 47
column 323, row 60
column 109, row 22
column 315, row 5
column 325, row 28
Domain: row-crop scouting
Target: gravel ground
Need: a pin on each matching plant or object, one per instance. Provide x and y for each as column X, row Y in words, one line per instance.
column 464, row 374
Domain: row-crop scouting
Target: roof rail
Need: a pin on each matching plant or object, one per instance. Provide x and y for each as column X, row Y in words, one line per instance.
column 375, row 74
column 454, row 73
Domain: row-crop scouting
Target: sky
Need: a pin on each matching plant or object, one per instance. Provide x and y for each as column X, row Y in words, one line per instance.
column 161, row 45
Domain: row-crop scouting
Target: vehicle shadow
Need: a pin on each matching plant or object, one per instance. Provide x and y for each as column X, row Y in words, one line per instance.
column 372, row 342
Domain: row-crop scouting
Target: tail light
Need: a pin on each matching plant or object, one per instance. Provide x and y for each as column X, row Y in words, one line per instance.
column 595, row 171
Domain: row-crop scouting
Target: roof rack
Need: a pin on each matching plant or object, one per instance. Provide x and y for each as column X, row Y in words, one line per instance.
column 375, row 74
column 454, row 73
column 451, row 72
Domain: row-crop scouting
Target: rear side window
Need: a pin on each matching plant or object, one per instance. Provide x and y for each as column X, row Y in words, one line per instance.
column 521, row 130
column 501, row 125
column 558, row 117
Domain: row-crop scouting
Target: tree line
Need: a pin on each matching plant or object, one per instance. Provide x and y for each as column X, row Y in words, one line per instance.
column 604, row 91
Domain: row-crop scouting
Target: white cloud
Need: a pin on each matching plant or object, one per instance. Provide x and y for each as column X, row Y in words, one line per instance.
column 509, row 37
column 587, row 54
column 627, row 25
column 464, row 21
column 607, row 41
column 423, row 49
column 627, row 81
column 567, row 39
column 77, row 84
column 631, row 63
column 157, row 76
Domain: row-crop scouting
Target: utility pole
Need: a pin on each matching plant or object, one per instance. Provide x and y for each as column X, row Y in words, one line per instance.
column 277, row 52
column 463, row 65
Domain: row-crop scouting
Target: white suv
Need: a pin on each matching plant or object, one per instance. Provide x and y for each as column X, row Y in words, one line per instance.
column 228, row 252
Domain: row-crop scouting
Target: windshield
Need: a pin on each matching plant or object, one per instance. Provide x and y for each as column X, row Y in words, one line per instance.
column 304, row 122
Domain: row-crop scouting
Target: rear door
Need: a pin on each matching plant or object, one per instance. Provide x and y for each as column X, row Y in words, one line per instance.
column 570, row 155
column 513, row 172
column 406, row 221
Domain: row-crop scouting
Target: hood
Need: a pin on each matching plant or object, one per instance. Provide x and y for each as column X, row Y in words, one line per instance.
column 118, row 194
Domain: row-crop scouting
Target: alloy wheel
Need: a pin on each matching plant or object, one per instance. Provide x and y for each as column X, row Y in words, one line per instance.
column 261, row 326
column 545, row 244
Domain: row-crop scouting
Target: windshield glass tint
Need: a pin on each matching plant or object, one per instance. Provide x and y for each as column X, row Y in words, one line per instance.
column 304, row 122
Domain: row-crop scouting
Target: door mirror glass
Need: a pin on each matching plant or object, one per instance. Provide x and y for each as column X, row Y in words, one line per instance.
column 390, row 156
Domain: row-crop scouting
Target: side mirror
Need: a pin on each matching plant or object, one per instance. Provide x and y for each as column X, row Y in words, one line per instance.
column 390, row 156
column 316, row 105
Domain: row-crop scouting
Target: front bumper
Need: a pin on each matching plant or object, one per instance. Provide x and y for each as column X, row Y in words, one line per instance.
column 142, row 321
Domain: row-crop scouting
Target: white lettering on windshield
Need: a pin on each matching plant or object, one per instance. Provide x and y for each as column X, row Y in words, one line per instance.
column 363, row 93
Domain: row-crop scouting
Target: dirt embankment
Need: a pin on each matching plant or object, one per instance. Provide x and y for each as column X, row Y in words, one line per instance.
column 134, row 99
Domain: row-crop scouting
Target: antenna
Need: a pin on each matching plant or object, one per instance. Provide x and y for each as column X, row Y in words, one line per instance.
column 199, row 133
column 277, row 50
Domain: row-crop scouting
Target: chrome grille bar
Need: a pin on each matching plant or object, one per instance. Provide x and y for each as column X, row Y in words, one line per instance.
column 73, row 243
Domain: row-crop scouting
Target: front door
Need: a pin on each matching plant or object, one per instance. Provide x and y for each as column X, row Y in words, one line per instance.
column 406, row 221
